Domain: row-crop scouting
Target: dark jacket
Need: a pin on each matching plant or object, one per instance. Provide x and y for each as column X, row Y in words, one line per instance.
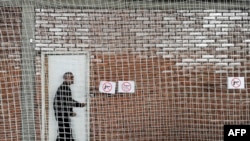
column 63, row 102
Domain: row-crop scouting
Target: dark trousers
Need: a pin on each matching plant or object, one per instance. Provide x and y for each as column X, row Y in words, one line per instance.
column 64, row 129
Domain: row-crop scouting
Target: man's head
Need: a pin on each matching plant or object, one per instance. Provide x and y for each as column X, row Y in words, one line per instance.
column 68, row 77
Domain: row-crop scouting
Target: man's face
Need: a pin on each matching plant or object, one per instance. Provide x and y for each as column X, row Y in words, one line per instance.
column 69, row 79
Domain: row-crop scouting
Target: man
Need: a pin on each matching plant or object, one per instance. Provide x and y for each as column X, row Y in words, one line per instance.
column 63, row 108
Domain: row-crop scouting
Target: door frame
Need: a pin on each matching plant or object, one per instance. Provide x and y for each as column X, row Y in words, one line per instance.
column 44, row 89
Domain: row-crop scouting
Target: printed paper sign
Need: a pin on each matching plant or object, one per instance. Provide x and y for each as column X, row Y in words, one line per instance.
column 126, row 86
column 107, row 87
column 235, row 83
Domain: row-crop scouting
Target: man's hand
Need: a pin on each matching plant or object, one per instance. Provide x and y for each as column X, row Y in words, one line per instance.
column 73, row 114
column 83, row 104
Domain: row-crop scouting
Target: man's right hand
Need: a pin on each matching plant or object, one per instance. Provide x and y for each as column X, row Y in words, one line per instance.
column 73, row 114
column 83, row 104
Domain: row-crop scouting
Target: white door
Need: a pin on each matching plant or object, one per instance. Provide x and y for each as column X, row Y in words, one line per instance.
column 78, row 65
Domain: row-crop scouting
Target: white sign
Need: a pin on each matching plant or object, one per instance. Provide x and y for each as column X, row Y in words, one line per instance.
column 107, row 87
column 126, row 86
column 235, row 83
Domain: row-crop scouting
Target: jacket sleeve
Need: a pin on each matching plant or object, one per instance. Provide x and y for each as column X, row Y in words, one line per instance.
column 76, row 103
column 72, row 102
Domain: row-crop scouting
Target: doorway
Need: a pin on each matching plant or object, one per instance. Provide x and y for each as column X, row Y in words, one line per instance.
column 54, row 65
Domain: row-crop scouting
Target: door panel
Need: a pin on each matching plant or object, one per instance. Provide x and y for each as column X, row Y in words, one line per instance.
column 58, row 64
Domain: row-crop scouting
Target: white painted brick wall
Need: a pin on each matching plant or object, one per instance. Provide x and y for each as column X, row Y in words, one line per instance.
column 201, row 60
column 208, row 25
column 207, row 56
column 188, row 60
column 221, row 56
column 221, row 64
column 200, row 37
column 234, row 64
column 215, row 14
column 214, row 60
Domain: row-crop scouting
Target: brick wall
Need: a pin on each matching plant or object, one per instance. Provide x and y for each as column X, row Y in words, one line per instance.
column 10, row 74
column 179, row 59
